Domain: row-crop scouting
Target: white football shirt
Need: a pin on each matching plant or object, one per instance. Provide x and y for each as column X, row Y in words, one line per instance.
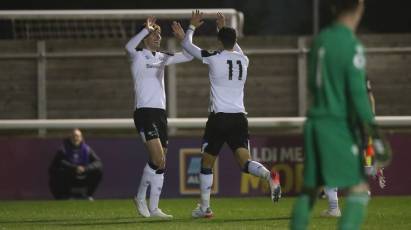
column 227, row 74
column 148, row 72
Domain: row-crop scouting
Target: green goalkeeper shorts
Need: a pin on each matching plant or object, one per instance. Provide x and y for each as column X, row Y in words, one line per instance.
column 332, row 156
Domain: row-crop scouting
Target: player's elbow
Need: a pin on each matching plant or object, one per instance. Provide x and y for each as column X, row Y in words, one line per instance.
column 187, row 47
column 128, row 48
column 184, row 43
column 189, row 57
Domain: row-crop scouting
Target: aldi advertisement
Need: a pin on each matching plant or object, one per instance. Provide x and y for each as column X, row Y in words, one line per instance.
column 25, row 162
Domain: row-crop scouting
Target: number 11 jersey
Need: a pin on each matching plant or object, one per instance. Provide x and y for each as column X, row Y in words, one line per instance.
column 228, row 74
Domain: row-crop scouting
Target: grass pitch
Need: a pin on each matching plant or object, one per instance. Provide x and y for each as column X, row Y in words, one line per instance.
column 230, row 213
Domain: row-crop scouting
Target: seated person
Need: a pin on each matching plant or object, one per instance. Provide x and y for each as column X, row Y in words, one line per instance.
column 75, row 165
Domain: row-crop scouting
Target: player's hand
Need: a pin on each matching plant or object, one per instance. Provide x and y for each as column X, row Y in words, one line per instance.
column 151, row 20
column 381, row 178
column 220, row 20
column 178, row 30
column 196, row 18
column 382, row 149
column 382, row 152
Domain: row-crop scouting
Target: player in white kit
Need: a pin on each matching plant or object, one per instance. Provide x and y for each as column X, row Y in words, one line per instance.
column 227, row 121
column 147, row 66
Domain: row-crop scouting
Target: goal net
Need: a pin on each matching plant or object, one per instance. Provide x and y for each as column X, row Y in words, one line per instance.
column 100, row 24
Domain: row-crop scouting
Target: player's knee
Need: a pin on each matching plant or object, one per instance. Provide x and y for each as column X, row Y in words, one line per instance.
column 207, row 161
column 158, row 161
column 207, row 164
column 157, row 167
column 243, row 156
column 244, row 163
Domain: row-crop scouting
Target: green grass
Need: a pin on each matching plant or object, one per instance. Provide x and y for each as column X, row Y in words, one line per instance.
column 230, row 213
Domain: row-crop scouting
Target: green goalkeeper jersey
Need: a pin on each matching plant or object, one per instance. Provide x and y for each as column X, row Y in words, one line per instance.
column 336, row 76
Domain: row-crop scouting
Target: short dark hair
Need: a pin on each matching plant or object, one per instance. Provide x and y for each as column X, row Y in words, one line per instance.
column 228, row 37
column 339, row 7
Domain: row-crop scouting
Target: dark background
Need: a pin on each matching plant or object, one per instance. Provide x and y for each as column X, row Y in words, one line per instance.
column 262, row 17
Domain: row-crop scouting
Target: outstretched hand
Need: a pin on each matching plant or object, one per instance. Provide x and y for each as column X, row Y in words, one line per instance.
column 196, row 18
column 220, row 20
column 151, row 20
column 178, row 30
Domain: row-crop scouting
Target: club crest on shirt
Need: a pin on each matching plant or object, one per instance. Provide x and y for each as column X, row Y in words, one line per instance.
column 359, row 58
column 354, row 150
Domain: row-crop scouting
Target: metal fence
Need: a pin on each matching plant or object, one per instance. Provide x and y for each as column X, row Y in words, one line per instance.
column 42, row 57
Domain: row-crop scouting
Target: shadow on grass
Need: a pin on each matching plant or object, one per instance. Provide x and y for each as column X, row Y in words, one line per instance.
column 136, row 220
column 185, row 220
column 239, row 220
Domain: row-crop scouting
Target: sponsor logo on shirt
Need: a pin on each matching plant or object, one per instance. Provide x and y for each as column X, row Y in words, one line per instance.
column 152, row 133
column 151, row 66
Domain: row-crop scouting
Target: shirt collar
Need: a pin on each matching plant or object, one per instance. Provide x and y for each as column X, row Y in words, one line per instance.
column 148, row 52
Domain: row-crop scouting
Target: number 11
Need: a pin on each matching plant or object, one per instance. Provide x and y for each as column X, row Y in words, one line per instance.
column 230, row 70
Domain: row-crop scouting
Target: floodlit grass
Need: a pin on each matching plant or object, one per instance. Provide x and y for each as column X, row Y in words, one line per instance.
column 230, row 213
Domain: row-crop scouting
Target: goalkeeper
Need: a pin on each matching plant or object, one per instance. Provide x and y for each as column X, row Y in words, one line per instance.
column 336, row 78
column 369, row 166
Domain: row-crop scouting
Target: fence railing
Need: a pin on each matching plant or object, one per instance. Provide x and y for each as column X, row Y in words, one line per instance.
column 254, row 122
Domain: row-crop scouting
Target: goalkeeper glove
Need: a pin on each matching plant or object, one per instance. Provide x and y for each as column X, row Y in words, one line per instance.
column 381, row 147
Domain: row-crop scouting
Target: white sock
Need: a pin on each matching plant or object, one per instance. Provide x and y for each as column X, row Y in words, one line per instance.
column 332, row 197
column 148, row 172
column 206, row 181
column 257, row 169
column 156, row 184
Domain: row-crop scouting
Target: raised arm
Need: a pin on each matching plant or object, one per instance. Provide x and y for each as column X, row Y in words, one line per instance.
column 179, row 57
column 187, row 43
column 135, row 41
column 220, row 21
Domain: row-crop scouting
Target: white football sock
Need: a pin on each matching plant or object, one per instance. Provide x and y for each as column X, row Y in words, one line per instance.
column 156, row 184
column 206, row 181
column 257, row 169
column 332, row 197
column 148, row 172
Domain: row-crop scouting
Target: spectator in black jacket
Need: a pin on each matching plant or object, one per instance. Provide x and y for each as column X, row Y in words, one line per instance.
column 75, row 165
